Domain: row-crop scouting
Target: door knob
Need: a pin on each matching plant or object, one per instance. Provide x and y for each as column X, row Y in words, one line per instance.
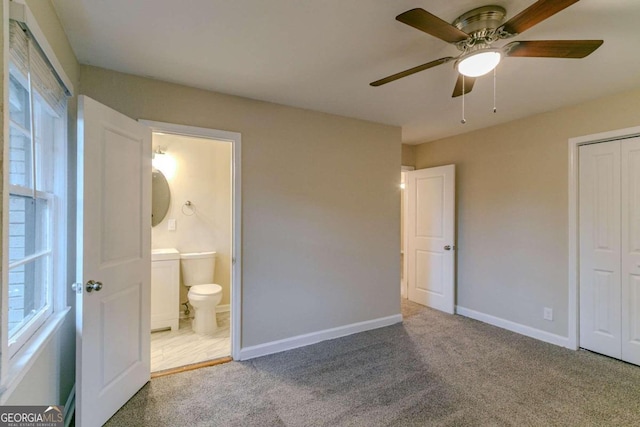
column 92, row 285
column 447, row 248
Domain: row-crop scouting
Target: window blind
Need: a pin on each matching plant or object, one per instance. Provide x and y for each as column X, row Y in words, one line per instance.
column 29, row 59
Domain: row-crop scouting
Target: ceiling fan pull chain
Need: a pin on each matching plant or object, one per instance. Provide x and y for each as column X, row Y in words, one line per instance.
column 494, row 91
column 463, row 121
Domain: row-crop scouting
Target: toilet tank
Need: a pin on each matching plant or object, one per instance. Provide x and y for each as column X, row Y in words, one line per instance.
column 197, row 267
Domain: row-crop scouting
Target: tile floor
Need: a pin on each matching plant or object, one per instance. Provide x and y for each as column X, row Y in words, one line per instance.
column 172, row 349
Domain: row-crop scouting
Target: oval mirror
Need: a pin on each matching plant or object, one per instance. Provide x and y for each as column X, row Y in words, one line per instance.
column 160, row 197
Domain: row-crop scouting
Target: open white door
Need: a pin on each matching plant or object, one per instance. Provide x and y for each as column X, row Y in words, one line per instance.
column 114, row 266
column 431, row 236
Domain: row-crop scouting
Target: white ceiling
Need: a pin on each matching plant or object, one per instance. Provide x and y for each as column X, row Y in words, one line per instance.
column 322, row 55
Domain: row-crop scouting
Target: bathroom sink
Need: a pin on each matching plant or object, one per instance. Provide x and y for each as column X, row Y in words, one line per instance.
column 164, row 254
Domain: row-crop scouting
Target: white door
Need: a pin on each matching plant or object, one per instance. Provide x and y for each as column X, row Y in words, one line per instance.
column 431, row 236
column 600, row 314
column 630, row 185
column 610, row 248
column 114, row 247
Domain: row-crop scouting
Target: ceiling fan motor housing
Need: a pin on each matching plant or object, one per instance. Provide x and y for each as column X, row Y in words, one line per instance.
column 484, row 26
column 481, row 18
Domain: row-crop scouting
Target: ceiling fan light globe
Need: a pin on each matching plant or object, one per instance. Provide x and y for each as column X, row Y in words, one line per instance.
column 478, row 63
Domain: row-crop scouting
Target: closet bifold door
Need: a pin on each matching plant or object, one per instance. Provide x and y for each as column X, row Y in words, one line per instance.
column 630, row 186
column 600, row 247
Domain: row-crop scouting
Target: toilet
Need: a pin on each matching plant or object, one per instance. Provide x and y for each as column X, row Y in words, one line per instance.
column 197, row 274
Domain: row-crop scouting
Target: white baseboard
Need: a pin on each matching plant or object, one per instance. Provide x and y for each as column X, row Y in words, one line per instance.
column 515, row 327
column 315, row 337
column 70, row 407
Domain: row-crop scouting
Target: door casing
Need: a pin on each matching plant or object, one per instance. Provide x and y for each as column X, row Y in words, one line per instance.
column 403, row 284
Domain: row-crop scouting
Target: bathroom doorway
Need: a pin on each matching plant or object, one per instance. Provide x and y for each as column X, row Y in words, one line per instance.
column 195, row 286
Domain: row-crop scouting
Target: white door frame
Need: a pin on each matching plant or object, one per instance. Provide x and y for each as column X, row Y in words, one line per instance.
column 574, row 241
column 236, row 240
column 405, row 289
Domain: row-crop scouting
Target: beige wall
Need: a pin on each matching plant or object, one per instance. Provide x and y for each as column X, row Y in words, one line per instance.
column 512, row 208
column 52, row 376
column 202, row 176
column 40, row 386
column 320, row 220
column 408, row 155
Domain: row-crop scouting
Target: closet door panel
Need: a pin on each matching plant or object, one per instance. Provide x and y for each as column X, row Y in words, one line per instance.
column 600, row 269
column 630, row 203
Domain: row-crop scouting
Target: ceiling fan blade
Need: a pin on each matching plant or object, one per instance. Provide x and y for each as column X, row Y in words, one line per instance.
column 537, row 12
column 468, row 85
column 552, row 48
column 411, row 71
column 431, row 24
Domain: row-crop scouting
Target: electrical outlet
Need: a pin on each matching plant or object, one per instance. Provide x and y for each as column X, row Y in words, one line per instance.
column 547, row 313
column 171, row 225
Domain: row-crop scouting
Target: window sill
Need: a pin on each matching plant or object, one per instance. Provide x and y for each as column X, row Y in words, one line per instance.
column 24, row 359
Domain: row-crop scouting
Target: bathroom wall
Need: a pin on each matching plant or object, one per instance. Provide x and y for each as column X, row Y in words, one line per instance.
column 203, row 176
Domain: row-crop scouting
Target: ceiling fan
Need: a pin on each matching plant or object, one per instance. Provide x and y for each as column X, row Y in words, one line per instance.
column 475, row 32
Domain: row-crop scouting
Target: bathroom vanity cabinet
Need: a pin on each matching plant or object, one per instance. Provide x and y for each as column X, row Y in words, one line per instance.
column 165, row 289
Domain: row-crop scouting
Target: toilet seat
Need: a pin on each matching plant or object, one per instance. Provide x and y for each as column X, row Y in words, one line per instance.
column 205, row 289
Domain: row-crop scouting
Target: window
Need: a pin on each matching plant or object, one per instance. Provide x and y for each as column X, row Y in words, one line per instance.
column 36, row 186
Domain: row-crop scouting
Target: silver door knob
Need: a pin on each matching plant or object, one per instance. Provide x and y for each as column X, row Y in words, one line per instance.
column 92, row 285
column 447, row 248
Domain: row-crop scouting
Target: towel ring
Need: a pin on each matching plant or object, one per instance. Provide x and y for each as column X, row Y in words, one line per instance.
column 188, row 208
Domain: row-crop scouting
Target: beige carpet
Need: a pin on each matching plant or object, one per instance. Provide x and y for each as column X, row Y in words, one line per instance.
column 433, row 370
